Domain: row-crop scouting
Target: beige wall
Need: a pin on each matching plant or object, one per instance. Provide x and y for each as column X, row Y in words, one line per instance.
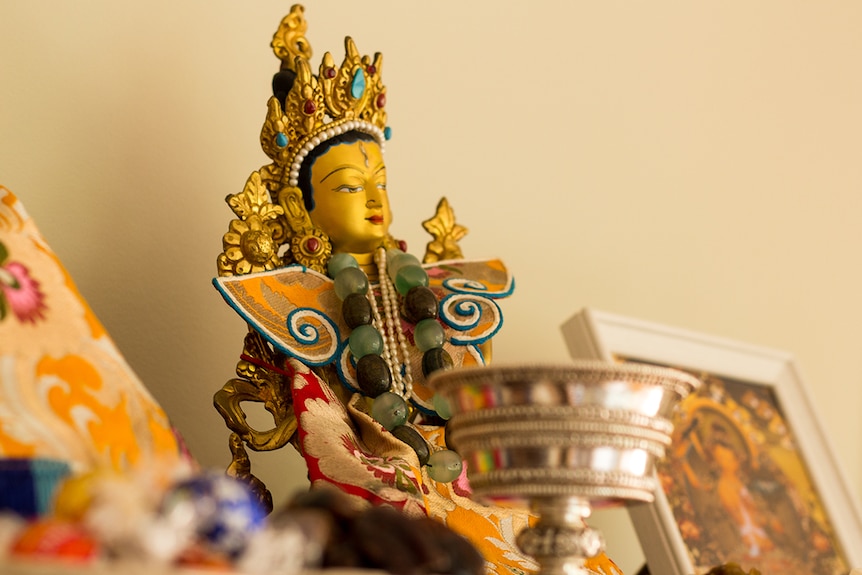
column 691, row 163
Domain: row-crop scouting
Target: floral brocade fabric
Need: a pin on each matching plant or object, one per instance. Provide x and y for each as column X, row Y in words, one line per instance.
column 297, row 311
column 66, row 393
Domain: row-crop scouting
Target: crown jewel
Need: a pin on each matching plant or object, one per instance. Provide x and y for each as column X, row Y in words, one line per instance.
column 319, row 107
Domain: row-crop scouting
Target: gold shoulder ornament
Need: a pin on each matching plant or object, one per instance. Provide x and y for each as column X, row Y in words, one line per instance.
column 446, row 234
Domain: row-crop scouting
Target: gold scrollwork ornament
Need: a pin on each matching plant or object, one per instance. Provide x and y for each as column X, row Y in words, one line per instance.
column 253, row 238
column 289, row 41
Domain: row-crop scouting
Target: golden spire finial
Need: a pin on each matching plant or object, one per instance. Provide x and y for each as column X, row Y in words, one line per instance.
column 289, row 40
column 446, row 233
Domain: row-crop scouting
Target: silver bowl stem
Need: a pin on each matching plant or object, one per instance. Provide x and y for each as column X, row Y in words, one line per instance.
column 560, row 541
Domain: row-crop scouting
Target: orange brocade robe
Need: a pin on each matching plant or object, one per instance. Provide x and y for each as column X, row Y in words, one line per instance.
column 297, row 310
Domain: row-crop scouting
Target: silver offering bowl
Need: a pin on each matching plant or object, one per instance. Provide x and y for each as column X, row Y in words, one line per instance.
column 563, row 440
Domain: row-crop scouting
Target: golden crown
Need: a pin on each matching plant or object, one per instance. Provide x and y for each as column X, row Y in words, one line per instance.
column 317, row 108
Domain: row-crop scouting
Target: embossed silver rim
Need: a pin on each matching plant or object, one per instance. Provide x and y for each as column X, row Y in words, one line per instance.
column 585, row 371
column 504, row 440
column 593, row 485
column 588, row 414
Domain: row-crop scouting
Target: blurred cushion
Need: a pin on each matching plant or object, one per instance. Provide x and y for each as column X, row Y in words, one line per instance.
column 66, row 393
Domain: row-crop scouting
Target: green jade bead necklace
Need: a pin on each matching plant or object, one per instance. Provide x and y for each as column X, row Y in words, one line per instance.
column 380, row 357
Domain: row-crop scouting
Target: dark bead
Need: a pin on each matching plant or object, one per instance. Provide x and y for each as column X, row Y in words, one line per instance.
column 434, row 360
column 356, row 310
column 412, row 438
column 420, row 303
column 372, row 375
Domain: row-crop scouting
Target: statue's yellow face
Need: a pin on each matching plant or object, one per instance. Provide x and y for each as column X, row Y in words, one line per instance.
column 351, row 205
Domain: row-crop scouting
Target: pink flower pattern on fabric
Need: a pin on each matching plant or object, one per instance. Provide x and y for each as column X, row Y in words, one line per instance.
column 391, row 471
column 20, row 293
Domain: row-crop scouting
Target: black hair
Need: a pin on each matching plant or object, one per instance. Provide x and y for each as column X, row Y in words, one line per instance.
column 282, row 82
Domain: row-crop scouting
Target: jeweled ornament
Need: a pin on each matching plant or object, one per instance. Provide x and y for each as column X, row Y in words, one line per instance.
column 357, row 87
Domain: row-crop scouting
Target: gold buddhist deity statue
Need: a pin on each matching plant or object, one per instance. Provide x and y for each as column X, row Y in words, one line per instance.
column 344, row 324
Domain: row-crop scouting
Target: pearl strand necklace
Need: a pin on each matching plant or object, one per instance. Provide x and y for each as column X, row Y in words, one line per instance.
column 379, row 324
column 398, row 350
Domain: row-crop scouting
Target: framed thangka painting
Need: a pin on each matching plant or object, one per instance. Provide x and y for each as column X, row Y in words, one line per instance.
column 750, row 477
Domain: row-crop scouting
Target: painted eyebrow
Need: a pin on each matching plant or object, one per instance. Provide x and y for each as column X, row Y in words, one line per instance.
column 380, row 169
column 338, row 170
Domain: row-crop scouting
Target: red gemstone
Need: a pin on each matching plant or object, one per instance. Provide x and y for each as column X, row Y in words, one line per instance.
column 312, row 245
column 329, row 72
column 371, row 70
column 381, row 100
column 309, row 107
column 402, row 245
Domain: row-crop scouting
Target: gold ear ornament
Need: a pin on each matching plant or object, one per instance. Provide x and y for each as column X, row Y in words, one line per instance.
column 309, row 245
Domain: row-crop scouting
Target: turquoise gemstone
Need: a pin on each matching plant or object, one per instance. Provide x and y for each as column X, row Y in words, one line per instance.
column 410, row 276
column 429, row 334
column 444, row 466
column 390, row 410
column 441, row 406
column 340, row 261
column 364, row 340
column 281, row 140
column 357, row 87
column 387, row 133
column 350, row 280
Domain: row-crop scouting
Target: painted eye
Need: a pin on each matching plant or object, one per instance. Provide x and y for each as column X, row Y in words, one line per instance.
column 349, row 189
column 381, row 187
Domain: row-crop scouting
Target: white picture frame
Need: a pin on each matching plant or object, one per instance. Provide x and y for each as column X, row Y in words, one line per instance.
column 594, row 334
